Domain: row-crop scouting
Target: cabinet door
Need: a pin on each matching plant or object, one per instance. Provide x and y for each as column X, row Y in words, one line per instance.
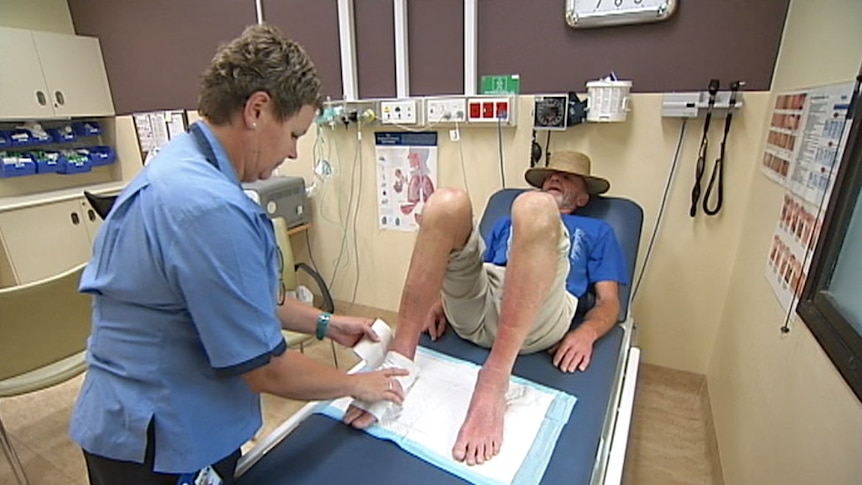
column 23, row 93
column 44, row 240
column 75, row 74
column 91, row 221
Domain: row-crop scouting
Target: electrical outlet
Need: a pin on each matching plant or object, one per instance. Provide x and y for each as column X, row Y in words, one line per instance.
column 491, row 110
column 445, row 110
column 401, row 112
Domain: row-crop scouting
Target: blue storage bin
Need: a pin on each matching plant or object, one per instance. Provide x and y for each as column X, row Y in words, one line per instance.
column 86, row 128
column 99, row 155
column 63, row 134
column 16, row 165
column 48, row 161
column 74, row 162
column 4, row 139
column 21, row 138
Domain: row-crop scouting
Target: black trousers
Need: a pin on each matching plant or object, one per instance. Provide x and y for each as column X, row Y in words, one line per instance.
column 107, row 471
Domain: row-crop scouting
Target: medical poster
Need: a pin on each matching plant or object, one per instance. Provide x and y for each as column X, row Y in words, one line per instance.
column 814, row 131
column 793, row 240
column 804, row 137
column 155, row 129
column 406, row 177
column 781, row 140
column 822, row 138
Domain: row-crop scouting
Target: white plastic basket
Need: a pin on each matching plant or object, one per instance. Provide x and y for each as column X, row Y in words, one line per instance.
column 609, row 100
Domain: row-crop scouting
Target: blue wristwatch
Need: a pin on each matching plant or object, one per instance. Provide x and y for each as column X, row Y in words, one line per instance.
column 322, row 325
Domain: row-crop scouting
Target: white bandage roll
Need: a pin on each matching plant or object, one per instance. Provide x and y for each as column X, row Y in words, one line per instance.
column 387, row 410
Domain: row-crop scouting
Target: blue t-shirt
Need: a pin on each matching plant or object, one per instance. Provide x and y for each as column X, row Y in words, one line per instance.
column 594, row 252
column 183, row 278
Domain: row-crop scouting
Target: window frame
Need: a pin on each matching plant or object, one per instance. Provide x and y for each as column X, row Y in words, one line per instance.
column 838, row 338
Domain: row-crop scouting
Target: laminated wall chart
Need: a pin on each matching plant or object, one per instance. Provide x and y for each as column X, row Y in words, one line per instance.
column 804, row 146
column 156, row 128
column 406, row 177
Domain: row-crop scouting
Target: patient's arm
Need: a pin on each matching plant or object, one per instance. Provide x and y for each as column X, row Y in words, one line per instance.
column 436, row 322
column 576, row 348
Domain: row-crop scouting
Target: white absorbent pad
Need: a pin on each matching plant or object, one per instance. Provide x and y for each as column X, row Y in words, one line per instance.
column 435, row 407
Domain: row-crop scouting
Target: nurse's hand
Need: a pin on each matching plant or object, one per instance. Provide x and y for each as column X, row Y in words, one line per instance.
column 378, row 385
column 348, row 331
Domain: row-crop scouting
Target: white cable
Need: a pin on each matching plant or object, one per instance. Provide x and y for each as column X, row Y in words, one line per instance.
column 461, row 156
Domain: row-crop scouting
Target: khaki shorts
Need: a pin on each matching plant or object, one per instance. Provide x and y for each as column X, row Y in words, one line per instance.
column 473, row 292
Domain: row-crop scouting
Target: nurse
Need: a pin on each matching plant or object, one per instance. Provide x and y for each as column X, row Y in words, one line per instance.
column 187, row 307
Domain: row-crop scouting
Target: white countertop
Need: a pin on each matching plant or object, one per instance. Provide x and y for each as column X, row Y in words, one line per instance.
column 19, row 202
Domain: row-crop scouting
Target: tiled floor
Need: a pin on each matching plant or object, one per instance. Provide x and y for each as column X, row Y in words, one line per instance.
column 669, row 442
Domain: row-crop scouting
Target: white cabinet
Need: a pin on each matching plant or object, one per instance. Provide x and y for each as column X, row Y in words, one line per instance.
column 44, row 240
column 23, row 92
column 48, row 75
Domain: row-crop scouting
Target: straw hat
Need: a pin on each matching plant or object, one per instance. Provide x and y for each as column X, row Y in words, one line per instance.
column 568, row 162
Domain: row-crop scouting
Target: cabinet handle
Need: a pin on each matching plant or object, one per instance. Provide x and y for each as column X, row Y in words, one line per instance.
column 75, row 219
column 41, row 99
column 91, row 215
column 61, row 100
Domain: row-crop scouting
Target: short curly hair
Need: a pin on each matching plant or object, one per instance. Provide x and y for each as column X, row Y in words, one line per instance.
column 261, row 59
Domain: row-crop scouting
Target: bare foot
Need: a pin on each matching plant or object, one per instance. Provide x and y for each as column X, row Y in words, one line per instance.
column 481, row 435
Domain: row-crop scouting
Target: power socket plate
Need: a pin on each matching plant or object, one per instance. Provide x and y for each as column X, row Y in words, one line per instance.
column 445, row 110
column 400, row 112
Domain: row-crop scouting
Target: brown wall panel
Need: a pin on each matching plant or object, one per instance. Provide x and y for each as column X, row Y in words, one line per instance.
column 726, row 39
column 375, row 48
column 436, row 46
column 314, row 24
column 155, row 50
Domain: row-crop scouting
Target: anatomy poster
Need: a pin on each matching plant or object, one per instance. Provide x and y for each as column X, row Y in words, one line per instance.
column 807, row 135
column 406, row 177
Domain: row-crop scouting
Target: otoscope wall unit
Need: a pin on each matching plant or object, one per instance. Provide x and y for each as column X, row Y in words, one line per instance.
column 693, row 105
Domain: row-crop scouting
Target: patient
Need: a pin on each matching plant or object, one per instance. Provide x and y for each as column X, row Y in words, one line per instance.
column 514, row 293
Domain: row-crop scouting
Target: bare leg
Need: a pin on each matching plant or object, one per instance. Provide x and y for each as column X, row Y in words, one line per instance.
column 532, row 264
column 446, row 225
column 447, row 221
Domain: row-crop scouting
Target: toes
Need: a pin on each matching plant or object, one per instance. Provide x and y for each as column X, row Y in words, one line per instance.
column 459, row 452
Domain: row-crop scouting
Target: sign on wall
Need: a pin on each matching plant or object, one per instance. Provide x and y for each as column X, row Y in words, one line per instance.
column 406, row 177
column 807, row 135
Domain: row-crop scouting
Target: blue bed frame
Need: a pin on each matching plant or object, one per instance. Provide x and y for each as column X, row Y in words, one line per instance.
column 311, row 448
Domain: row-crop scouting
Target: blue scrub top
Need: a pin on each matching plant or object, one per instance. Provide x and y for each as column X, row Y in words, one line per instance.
column 183, row 278
column 594, row 252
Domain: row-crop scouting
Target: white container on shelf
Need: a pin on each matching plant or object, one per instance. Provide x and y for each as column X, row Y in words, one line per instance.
column 609, row 101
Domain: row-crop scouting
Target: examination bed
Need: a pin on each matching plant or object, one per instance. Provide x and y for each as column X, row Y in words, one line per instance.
column 312, row 448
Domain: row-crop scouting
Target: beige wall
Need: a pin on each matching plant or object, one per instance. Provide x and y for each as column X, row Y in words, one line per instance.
column 680, row 303
column 782, row 412
column 48, row 15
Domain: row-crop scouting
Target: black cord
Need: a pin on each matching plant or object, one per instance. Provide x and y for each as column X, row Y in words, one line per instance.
column 500, row 148
column 704, row 144
column 660, row 214
column 718, row 166
column 547, row 145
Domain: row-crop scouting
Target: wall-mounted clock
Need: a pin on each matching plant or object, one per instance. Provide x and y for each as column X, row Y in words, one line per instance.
column 600, row 13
